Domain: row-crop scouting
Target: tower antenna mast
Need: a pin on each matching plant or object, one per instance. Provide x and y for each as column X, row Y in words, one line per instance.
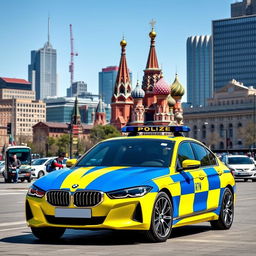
column 72, row 54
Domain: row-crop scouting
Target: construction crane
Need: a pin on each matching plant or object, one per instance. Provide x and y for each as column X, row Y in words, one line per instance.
column 72, row 54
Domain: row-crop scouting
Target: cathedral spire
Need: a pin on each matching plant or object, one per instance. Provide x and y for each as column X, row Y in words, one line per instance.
column 122, row 99
column 152, row 62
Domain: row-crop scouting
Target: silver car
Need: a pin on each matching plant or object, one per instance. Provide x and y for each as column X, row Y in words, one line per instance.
column 241, row 166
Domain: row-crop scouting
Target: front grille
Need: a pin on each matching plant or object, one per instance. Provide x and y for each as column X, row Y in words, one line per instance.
column 58, row 198
column 87, row 198
column 75, row 221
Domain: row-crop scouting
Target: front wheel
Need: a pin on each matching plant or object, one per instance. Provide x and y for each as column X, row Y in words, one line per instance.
column 48, row 233
column 161, row 220
column 226, row 212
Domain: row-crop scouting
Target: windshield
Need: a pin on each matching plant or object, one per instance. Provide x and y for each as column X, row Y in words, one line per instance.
column 23, row 154
column 130, row 152
column 39, row 161
column 240, row 160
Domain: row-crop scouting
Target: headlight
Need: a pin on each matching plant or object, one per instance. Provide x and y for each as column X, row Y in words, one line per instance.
column 129, row 192
column 35, row 191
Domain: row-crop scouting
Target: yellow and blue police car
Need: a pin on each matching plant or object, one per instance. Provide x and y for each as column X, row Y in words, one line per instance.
column 151, row 183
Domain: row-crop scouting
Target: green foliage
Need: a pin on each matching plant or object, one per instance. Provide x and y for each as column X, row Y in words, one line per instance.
column 63, row 143
column 247, row 134
column 102, row 132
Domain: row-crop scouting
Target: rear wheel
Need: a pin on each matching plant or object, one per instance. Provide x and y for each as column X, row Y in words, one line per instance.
column 22, row 180
column 48, row 233
column 226, row 212
column 245, row 180
column 253, row 180
column 161, row 221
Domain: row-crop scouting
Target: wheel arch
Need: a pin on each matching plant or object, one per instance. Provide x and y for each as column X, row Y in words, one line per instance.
column 167, row 191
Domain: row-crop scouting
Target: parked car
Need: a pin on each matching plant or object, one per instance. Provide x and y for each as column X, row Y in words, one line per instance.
column 243, row 167
column 1, row 167
column 39, row 166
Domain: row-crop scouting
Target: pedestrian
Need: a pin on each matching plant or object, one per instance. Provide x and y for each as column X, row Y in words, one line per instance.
column 57, row 162
column 15, row 165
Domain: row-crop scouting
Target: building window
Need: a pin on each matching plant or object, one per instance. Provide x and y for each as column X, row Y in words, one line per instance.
column 212, row 128
column 221, row 145
column 230, row 130
column 195, row 132
column 203, row 131
column 221, row 130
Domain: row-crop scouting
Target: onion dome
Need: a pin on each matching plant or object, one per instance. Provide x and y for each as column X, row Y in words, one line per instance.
column 123, row 43
column 152, row 34
column 171, row 101
column 161, row 88
column 176, row 88
column 138, row 92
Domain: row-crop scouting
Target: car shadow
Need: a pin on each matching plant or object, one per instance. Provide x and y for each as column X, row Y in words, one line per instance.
column 103, row 237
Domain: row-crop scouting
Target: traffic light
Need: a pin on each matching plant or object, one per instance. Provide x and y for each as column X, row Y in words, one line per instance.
column 9, row 128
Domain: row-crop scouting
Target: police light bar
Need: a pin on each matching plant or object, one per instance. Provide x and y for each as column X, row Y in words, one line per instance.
column 145, row 129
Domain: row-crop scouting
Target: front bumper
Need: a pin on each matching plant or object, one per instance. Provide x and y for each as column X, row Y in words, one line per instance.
column 245, row 175
column 121, row 214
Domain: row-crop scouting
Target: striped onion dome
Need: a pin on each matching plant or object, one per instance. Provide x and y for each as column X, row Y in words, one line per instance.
column 171, row 101
column 161, row 87
column 137, row 92
column 176, row 88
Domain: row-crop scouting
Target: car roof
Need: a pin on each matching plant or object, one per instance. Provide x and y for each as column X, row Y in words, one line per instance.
column 237, row 156
column 160, row 137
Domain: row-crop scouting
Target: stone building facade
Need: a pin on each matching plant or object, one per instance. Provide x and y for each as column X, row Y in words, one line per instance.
column 229, row 112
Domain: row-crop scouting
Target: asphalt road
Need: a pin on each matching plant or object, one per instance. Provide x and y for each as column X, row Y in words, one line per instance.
column 16, row 238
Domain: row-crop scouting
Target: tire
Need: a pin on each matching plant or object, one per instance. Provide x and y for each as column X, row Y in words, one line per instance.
column 29, row 179
column 245, row 180
column 40, row 174
column 48, row 234
column 161, row 220
column 22, row 180
column 226, row 215
column 253, row 180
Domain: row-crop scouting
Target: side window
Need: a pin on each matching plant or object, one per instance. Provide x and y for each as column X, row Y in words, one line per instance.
column 202, row 154
column 185, row 152
column 212, row 158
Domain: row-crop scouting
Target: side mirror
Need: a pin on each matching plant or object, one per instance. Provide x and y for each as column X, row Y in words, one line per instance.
column 190, row 164
column 71, row 162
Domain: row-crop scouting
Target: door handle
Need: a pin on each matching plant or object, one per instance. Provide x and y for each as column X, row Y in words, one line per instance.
column 201, row 176
column 220, row 173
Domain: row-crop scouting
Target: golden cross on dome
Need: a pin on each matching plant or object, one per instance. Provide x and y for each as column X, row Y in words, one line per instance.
column 152, row 23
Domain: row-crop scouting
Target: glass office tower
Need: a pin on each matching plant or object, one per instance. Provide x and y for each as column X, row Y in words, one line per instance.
column 107, row 79
column 42, row 72
column 234, row 51
column 199, row 70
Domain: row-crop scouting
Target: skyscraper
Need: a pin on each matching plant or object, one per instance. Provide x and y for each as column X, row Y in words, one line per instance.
column 246, row 7
column 42, row 72
column 107, row 79
column 234, row 51
column 199, row 70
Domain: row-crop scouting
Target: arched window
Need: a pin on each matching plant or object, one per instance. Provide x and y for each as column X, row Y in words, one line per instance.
column 230, row 144
column 195, row 132
column 221, row 130
column 239, row 125
column 203, row 131
column 212, row 128
column 213, row 146
column 221, row 145
column 230, row 130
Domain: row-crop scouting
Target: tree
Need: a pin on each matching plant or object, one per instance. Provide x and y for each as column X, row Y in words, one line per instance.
column 102, row 132
column 247, row 134
column 84, row 145
column 213, row 138
column 52, row 148
column 63, row 143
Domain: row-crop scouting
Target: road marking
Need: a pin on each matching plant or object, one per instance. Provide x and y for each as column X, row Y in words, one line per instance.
column 4, row 194
column 243, row 199
column 214, row 241
column 9, row 229
column 12, row 223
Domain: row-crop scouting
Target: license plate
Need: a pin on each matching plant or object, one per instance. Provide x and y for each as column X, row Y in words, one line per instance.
column 243, row 173
column 73, row 213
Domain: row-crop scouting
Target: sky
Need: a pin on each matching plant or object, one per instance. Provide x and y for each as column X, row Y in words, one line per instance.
column 98, row 27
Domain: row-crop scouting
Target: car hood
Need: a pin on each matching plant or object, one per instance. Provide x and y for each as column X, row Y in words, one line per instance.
column 101, row 178
column 242, row 166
